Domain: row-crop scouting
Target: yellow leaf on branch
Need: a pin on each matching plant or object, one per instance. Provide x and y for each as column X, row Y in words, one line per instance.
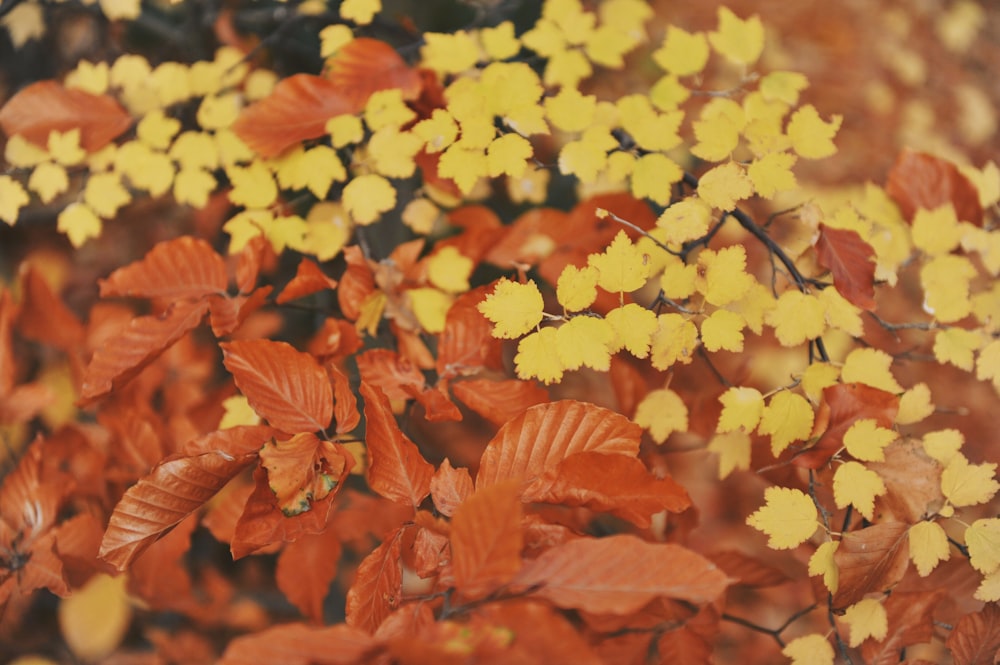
column 513, row 308
column 788, row 517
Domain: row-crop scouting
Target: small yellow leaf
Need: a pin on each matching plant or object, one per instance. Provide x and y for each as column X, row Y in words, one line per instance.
column 788, row 517
column 367, row 196
column 989, row 589
column 866, row 441
column 866, row 618
column 633, row 327
column 812, row 649
column 253, row 186
column 391, row 152
column 48, row 180
column 983, row 540
column 576, row 288
column 936, row 231
column 944, row 444
column 386, row 108
column 685, row 220
column 772, row 173
column 64, row 147
column 570, row 110
column 945, row 280
column 94, row 619
column 585, row 341
column 724, row 186
column 811, row 137
column 652, row 177
column 723, row 330
column 733, row 449
column 464, row 166
column 679, row 280
column 855, row 484
column 360, row 11
column 430, row 307
column 674, row 341
column 333, row 38
column 508, row 155
column 742, row 408
column 105, row 194
column 796, row 318
column 500, row 42
column 622, row 267
column 79, row 222
column 437, row 132
column 513, row 308
column 662, row 412
column 871, row 367
column 449, row 53
column 740, row 41
column 193, row 186
column 822, row 563
column 818, row 376
column 725, row 276
column 194, row 150
column 157, row 130
column 788, row 417
column 957, row 346
column 538, row 357
column 237, row 411
column 13, row 197
column 345, row 129
column 682, row 53
column 965, row 484
column 928, row 546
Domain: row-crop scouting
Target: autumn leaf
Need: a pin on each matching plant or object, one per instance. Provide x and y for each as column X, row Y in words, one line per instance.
column 499, row 401
column 365, row 66
column 43, row 316
column 377, row 588
column 851, row 261
column 814, row 649
column 911, row 621
column 919, row 180
column 513, row 308
column 450, row 487
column 486, row 539
column 870, row 560
column 286, row 387
column 848, row 402
column 396, row 376
column 619, row 574
column 866, row 619
column 304, row 469
column 466, row 345
column 975, row 639
column 345, row 407
column 788, row 517
column 182, row 268
column 308, row 279
column 298, row 644
column 305, row 569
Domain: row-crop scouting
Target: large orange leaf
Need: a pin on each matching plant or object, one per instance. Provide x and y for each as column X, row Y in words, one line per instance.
column 185, row 267
column 365, row 66
column 298, row 644
column 158, row 576
column 851, row 261
column 44, row 106
column 378, row 585
column 619, row 574
column 304, row 469
column 284, row 386
column 296, row 110
column 919, row 180
column 393, row 374
column 499, row 401
column 466, row 345
column 609, row 482
column 172, row 491
column 871, row 560
column 140, row 343
column 43, row 315
column 308, row 279
column 306, row 568
column 911, row 621
column 975, row 639
column 848, row 403
column 396, row 469
column 542, row 436
column 486, row 539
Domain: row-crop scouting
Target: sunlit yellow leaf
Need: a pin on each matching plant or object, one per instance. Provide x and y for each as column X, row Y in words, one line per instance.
column 822, row 563
column 121, row 9
column 682, row 53
column 943, row 444
column 983, row 540
column 22, row 153
column 783, row 86
column 48, row 180
column 421, row 215
column 236, row 411
column 685, row 220
column 679, row 280
column 79, row 222
column 788, row 517
column 621, row 267
column 218, row 111
column 500, row 42
column 13, row 197
column 171, row 81
column 95, row 618
column 928, row 546
column 812, row 649
column 360, row 11
column 871, row 367
column 386, row 108
column 430, row 307
column 145, row 168
column 818, row 376
column 25, row 21
column 333, row 38
column 449, row 270
column 989, row 589
column 723, row 330
column 915, row 405
column 718, row 129
column 64, row 147
column 966, row 484
column 840, row 313
column 866, row 618
column 157, row 130
column 585, row 341
column 674, row 341
column 742, row 409
column 570, row 110
column 576, row 288
column 449, row 53
column 633, row 327
column 92, row 77
column 724, row 186
column 463, row 166
column 513, row 308
column 725, row 276
column 367, row 196
column 508, row 155
column 811, row 137
column 733, row 449
column 796, row 318
column 772, row 173
column 105, row 194
column 855, row 484
column 936, row 231
column 538, row 357
column 787, row 418
column 988, row 363
column 662, row 412
column 253, row 186
column 195, row 150
column 653, row 176
column 741, row 41
column 866, row 441
column 345, row 129
column 329, row 229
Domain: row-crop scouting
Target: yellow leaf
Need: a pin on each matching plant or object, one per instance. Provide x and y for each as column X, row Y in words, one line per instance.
column 989, row 589
column 822, row 563
column 508, row 155
column 855, row 484
column 449, row 53
column 965, row 484
column 253, row 186
column 679, row 280
column 585, row 341
column 421, row 215
column 449, row 270
column 788, row 417
column 817, row 377
column 333, row 38
column 367, row 196
column 662, row 412
column 25, row 21
column 733, row 449
column 983, row 540
column 718, row 129
column 577, row 288
column 513, row 308
column 500, row 42
column 48, row 180
column 145, row 168
column 531, row 187
column 570, row 110
column 936, row 232
column 740, row 41
column 796, row 318
column 682, row 53
column 810, row 136
column 386, row 108
column 94, row 620
column 840, row 313
column 724, row 186
column 329, row 229
column 90, row 77
column 723, row 330
column 193, row 186
column 674, row 340
column 915, row 405
column 988, row 364
column 633, row 327
column 742, row 409
column 943, row 444
column 360, row 11
column 430, row 307
column 652, row 177
column 772, row 173
column 812, row 649
column 725, row 276
column 121, row 9
column 64, row 147
column 621, row 267
column 171, row 82
column 586, row 157
column 928, row 546
column 22, row 153
column 788, row 517
column 685, row 220
column 195, row 150
column 866, row 441
column 157, row 130
column 346, row 129
column 218, row 111
column 370, row 312
column 538, row 357
column 79, row 223
column 105, row 194
column 236, row 411
column 783, row 86
column 866, row 618
column 650, row 129
column 464, row 166
column 754, row 306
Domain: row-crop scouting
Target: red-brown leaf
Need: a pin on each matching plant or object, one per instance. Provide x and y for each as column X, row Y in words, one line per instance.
column 620, row 574
column 848, row 403
column 172, row 491
column 365, row 66
column 542, row 436
column 378, row 586
column 466, row 345
column 911, row 621
column 140, row 343
column 227, row 313
column 396, row 469
column 296, row 110
column 308, row 279
column 871, row 560
column 44, row 317
column 158, row 576
column 306, row 568
column 748, row 570
column 499, row 401
column 391, row 373
column 304, row 469
column 356, row 284
column 486, row 539
column 609, row 482
column 544, row 635
column 345, row 407
column 975, row 639
column 450, row 487
column 852, row 263
column 185, row 267
column 284, row 386
column 298, row 644
column 438, row 407
column 919, row 180
column 44, row 106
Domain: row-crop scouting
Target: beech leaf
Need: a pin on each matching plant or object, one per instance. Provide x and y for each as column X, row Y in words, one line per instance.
column 182, row 268
column 848, row 403
column 499, row 401
column 975, row 639
column 304, row 469
column 378, row 585
column 391, row 373
column 450, row 487
column 870, row 560
column 305, row 569
column 466, row 345
column 486, row 539
column 922, row 181
column 851, row 260
column 298, row 644
column 364, row 66
column 308, row 279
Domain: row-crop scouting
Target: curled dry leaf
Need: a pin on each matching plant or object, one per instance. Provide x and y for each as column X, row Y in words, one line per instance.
column 304, row 469
column 308, row 279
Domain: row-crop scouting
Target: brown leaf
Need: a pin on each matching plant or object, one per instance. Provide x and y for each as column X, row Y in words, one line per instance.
column 499, row 401
column 172, row 491
column 437, row 405
column 396, row 469
column 44, row 106
column 345, row 406
column 140, row 343
column 911, row 621
column 542, row 436
column 306, row 568
column 467, row 345
column 304, row 469
column 848, row 403
column 608, row 482
column 44, row 317
column 912, row 480
column 851, row 261
column 284, row 386
column 185, row 267
column 298, row 644
column 748, row 570
column 308, row 279
column 486, row 539
column 356, row 284
column 296, row 110
column 391, row 373
column 364, row 66
column 620, row 574
column 919, row 180
column 871, row 560
column 450, row 487
column 975, row 639
column 378, row 586
column 227, row 313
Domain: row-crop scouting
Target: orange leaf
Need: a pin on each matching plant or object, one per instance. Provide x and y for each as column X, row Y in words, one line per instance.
column 544, row 635
column 486, row 539
column 227, row 313
column 911, row 621
column 234, row 442
column 158, row 576
column 297, row 644
column 499, row 401
column 870, row 561
column 345, row 407
column 127, row 353
column 44, row 316
column 182, row 268
column 304, row 469
column 296, row 110
column 919, row 180
column 848, row 402
column 378, row 586
column 396, row 470
column 609, row 482
column 747, row 570
column 450, row 487
column 851, row 261
column 306, row 568
column 44, row 106
column 173, row 490
column 364, row 66
column 437, row 406
column 286, row 387
column 308, row 279
column 466, row 345
column 542, row 436
column 391, row 373
column 975, row 639
column 356, row 284
column 619, row 574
